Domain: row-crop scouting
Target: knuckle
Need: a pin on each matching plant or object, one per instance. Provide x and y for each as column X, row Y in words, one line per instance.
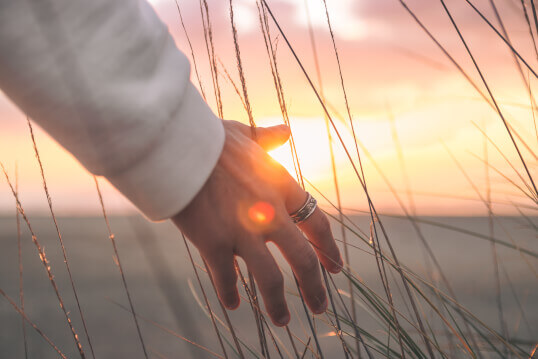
column 281, row 220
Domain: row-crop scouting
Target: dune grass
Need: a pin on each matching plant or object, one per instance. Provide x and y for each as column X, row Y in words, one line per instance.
column 417, row 315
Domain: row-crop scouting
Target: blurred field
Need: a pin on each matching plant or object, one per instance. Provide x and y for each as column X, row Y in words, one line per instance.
column 158, row 274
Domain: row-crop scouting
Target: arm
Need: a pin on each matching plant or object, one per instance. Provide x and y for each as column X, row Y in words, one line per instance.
column 105, row 79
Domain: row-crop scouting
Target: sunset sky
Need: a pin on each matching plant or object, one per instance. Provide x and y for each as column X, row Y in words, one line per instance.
column 401, row 89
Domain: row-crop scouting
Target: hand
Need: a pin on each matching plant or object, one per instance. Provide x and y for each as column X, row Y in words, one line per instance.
column 244, row 204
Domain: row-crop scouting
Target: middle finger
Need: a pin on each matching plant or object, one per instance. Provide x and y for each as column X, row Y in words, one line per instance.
column 304, row 263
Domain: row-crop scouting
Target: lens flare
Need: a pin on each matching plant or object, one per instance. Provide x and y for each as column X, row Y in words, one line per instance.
column 261, row 213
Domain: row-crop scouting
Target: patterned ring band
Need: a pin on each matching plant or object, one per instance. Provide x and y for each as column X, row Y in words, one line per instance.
column 305, row 211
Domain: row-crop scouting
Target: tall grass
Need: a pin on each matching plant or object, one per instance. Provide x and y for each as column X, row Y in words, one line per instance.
column 120, row 267
column 46, row 264
column 21, row 266
column 56, row 226
column 416, row 315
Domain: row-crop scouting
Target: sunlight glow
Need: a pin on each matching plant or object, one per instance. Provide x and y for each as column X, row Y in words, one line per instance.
column 311, row 142
column 261, row 213
column 329, row 334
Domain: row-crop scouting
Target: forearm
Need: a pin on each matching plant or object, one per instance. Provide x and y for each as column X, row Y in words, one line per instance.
column 105, row 79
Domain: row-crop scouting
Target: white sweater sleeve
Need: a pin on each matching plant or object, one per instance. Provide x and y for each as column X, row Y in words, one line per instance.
column 105, row 79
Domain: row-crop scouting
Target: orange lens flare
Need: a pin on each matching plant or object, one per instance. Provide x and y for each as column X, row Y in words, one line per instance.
column 261, row 213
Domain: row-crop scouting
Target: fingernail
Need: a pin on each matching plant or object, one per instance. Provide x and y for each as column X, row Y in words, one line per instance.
column 283, row 320
column 232, row 302
column 336, row 267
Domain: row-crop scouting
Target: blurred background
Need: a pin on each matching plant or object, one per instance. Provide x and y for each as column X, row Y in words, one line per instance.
column 399, row 85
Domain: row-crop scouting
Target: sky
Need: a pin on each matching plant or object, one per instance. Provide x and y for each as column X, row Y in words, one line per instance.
column 417, row 119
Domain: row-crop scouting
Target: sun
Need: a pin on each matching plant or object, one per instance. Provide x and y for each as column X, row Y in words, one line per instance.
column 311, row 142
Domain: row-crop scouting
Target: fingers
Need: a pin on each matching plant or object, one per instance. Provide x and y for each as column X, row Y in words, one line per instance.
column 221, row 266
column 318, row 230
column 304, row 264
column 269, row 279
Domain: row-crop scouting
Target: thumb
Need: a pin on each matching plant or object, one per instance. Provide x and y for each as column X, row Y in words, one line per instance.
column 272, row 137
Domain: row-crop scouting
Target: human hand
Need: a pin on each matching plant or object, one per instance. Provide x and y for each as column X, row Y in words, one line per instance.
column 244, row 204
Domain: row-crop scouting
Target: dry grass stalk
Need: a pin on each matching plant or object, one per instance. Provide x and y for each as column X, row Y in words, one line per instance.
column 169, row 331
column 242, row 75
column 46, row 264
column 192, row 51
column 205, row 298
column 490, row 93
column 370, row 203
column 26, row 319
column 19, row 250
column 208, row 36
column 120, row 268
column 57, row 227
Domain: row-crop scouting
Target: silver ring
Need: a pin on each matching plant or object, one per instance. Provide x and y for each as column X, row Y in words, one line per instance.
column 305, row 211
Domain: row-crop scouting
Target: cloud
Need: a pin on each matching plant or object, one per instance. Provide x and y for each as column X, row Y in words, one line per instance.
column 245, row 15
column 344, row 16
column 343, row 13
